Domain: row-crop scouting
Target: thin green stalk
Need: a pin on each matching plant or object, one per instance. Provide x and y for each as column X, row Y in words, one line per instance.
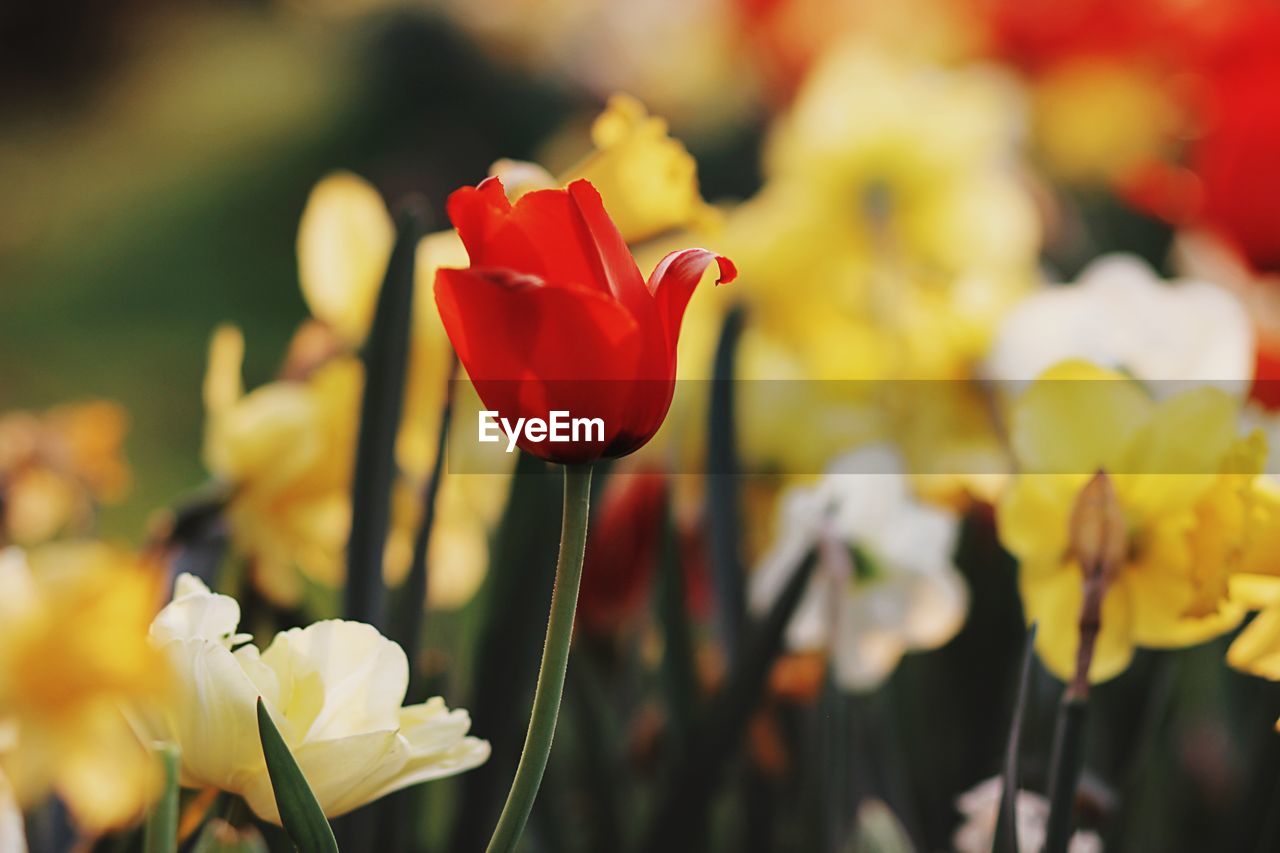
column 160, row 833
column 1006, row 840
column 1064, row 775
column 555, row 662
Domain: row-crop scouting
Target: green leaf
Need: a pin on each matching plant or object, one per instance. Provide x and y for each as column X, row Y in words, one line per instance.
column 724, row 510
column 299, row 811
column 386, row 356
column 1064, row 770
column 160, row 835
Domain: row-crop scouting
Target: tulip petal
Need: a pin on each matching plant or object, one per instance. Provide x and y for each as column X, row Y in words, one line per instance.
column 672, row 284
column 215, row 720
column 617, row 266
column 338, row 677
column 566, row 238
column 343, row 773
column 530, row 348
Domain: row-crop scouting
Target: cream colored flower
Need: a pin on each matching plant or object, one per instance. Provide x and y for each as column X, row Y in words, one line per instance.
column 287, row 450
column 980, row 806
column 334, row 689
column 884, row 584
column 1120, row 315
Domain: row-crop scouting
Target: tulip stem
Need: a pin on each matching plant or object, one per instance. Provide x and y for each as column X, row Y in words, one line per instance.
column 555, row 662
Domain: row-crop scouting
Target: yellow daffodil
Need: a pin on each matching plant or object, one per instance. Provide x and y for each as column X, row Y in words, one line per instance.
column 57, row 466
column 1186, row 484
column 73, row 656
column 891, row 234
column 334, row 689
column 1257, row 584
column 893, row 229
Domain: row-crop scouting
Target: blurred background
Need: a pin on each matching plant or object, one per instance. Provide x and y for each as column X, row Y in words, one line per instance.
column 155, row 159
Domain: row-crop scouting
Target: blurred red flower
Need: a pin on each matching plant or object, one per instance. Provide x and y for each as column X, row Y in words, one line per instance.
column 623, row 546
column 554, row 315
column 1237, row 157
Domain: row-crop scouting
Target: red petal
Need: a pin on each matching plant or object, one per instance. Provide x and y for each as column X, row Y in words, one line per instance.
column 617, row 265
column 673, row 282
column 563, row 236
column 482, row 216
column 531, row 348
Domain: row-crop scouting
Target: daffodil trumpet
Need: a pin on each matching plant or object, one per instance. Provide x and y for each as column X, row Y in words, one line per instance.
column 555, row 662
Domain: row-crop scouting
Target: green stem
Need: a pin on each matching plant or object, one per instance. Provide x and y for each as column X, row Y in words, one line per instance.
column 160, row 834
column 555, row 662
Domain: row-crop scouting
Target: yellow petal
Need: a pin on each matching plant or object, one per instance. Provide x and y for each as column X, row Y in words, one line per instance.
column 344, row 242
column 223, row 383
column 1176, row 456
column 1257, row 649
column 1077, row 419
column 648, row 180
column 1052, row 597
column 1033, row 515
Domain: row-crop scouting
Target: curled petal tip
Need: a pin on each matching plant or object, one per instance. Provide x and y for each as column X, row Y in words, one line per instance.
column 728, row 271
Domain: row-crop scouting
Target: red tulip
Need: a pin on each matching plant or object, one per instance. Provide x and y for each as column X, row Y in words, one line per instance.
column 554, row 315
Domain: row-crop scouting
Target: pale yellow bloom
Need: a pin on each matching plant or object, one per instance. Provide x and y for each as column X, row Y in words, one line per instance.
column 73, row 657
column 286, row 450
column 1186, row 483
column 344, row 243
column 892, row 233
column 334, row 689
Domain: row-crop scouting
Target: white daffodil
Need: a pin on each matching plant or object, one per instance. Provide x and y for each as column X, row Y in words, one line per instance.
column 884, row 584
column 980, row 806
column 1120, row 315
column 334, row 689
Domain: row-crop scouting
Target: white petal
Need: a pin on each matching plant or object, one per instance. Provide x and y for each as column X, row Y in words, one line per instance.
column 214, row 716
column 1120, row 315
column 196, row 613
column 338, row 678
